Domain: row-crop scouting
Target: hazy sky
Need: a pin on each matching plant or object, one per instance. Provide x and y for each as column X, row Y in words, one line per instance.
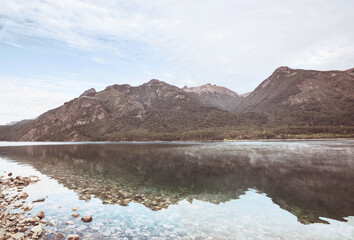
column 53, row 50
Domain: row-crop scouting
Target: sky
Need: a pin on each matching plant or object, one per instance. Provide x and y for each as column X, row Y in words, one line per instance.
column 51, row 51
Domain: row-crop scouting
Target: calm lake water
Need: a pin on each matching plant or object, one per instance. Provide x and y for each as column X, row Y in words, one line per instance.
column 232, row 190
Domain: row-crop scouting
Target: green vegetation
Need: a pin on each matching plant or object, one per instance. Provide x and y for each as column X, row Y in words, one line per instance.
column 229, row 133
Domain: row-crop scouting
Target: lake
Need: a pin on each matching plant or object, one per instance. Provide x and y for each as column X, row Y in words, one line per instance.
column 220, row 190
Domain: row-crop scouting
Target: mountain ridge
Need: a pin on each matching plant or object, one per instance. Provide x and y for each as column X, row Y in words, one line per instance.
column 122, row 112
column 293, row 100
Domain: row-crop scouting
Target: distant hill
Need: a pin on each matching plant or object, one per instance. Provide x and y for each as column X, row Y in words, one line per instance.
column 291, row 103
column 216, row 96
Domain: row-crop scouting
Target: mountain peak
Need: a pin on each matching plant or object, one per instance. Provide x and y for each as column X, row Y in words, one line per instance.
column 88, row 93
column 283, row 69
column 155, row 81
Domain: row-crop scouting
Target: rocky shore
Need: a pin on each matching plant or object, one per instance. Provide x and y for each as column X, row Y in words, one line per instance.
column 16, row 218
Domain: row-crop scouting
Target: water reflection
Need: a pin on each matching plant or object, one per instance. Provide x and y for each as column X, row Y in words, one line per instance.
column 310, row 180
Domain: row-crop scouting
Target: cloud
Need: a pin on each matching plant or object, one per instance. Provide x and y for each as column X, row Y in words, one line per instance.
column 27, row 98
column 231, row 43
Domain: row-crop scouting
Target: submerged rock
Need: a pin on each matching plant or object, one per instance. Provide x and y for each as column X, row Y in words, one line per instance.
column 58, row 236
column 81, row 228
column 39, row 200
column 18, row 205
column 52, row 223
column 106, row 233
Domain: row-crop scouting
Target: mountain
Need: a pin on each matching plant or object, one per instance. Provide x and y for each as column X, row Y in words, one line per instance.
column 216, row 96
column 298, row 97
column 152, row 111
column 14, row 131
column 291, row 103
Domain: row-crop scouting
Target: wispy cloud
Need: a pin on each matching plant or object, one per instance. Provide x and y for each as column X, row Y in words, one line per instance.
column 15, row 45
column 98, row 60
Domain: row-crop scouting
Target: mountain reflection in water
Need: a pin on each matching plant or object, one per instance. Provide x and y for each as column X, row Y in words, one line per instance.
column 308, row 179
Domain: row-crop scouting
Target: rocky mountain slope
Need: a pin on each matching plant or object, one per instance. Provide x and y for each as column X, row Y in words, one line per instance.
column 291, row 96
column 289, row 103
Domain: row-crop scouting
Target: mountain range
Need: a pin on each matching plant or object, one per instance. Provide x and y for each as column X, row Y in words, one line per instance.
column 290, row 103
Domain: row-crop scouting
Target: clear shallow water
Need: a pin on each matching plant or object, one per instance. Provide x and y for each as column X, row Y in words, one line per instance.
column 241, row 190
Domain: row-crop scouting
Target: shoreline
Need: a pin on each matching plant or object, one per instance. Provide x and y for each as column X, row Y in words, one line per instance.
column 15, row 210
column 17, row 143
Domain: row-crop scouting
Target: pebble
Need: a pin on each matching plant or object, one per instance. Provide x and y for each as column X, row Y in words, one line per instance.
column 75, row 215
column 4, row 204
column 86, row 218
column 23, row 195
column 40, row 214
column 37, row 229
